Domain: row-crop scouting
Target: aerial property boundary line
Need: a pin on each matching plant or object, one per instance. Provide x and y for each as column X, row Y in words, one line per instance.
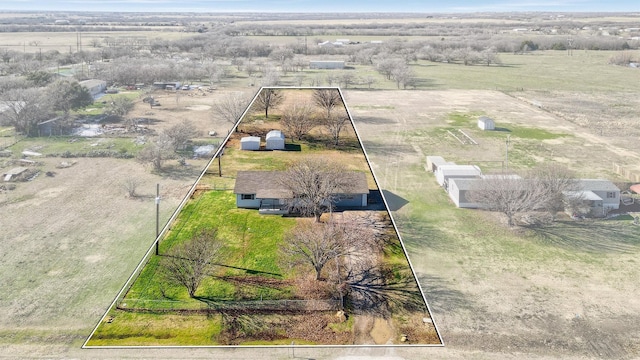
column 191, row 191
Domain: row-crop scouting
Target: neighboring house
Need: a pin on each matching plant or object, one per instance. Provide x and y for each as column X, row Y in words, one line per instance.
column 250, row 143
column 326, row 64
column 95, row 86
column 600, row 195
column 486, row 123
column 262, row 190
column 275, row 140
column 445, row 172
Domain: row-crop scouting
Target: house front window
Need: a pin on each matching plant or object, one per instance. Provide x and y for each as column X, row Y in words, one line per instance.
column 248, row 196
column 611, row 195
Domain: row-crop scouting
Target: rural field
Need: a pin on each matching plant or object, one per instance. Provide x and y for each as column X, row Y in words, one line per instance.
column 69, row 241
column 567, row 290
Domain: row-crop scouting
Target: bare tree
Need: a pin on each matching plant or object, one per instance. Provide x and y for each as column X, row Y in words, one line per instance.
column 556, row 181
column 507, row 194
column 268, row 99
column 334, row 124
column 181, row 133
column 119, row 106
column 544, row 189
column 25, row 108
column 327, row 99
column 131, row 184
column 230, row 107
column 317, row 244
column 315, row 184
column 157, row 151
column 189, row 263
column 298, row 119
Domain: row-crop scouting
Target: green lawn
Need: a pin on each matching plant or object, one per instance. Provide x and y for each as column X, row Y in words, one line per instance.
column 250, row 242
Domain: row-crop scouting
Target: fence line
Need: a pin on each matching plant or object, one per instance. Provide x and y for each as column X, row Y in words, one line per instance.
column 623, row 171
column 145, row 305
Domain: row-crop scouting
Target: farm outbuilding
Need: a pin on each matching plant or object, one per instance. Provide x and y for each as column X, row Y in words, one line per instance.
column 326, row 65
column 275, row 140
column 433, row 162
column 486, row 123
column 458, row 190
column 446, row 172
column 94, row 86
column 250, row 143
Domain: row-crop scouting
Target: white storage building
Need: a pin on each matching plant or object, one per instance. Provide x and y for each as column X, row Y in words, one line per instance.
column 446, row 172
column 433, row 162
column 250, row 143
column 486, row 123
column 275, row 140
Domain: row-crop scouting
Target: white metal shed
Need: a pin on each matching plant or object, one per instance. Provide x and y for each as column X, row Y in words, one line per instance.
column 486, row 123
column 275, row 140
column 250, row 143
column 433, row 162
column 445, row 172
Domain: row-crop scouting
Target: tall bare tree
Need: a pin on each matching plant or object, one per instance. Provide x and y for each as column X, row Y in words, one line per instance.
column 268, row 99
column 327, row 99
column 334, row 124
column 189, row 263
column 543, row 189
column 317, row 244
column 556, row 181
column 181, row 133
column 231, row 106
column 158, row 151
column 25, row 109
column 315, row 184
column 298, row 119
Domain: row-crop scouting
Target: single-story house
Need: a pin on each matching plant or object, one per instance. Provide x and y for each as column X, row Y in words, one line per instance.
column 486, row 123
column 600, row 195
column 433, row 162
column 263, row 190
column 326, row 64
column 275, row 140
column 250, row 143
column 458, row 189
column 446, row 172
column 95, row 86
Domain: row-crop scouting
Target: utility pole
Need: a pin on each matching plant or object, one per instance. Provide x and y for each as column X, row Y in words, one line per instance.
column 507, row 153
column 157, row 218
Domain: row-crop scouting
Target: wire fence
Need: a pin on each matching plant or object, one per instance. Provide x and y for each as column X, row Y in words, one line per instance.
column 206, row 306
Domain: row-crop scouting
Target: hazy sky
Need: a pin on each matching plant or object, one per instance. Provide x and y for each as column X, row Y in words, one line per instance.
column 323, row 5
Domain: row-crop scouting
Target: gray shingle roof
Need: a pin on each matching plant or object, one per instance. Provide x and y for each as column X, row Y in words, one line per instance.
column 265, row 184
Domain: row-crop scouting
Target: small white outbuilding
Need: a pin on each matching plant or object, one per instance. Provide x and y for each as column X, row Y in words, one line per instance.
column 275, row 140
column 446, row 172
column 486, row 123
column 250, row 143
column 433, row 162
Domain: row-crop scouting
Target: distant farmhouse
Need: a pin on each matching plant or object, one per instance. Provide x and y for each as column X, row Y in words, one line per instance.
column 316, row 64
column 263, row 190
